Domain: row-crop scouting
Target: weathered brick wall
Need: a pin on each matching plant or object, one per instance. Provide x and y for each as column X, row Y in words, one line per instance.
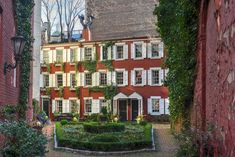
column 213, row 114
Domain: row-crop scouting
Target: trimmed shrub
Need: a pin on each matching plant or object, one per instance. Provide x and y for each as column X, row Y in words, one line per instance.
column 101, row 128
column 105, row 138
column 63, row 122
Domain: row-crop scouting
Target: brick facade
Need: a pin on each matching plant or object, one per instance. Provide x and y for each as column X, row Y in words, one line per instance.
column 214, row 101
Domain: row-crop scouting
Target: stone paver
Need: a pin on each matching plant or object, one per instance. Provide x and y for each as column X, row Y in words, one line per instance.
column 165, row 142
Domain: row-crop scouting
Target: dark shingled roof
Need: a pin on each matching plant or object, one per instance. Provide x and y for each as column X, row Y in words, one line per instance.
column 118, row 19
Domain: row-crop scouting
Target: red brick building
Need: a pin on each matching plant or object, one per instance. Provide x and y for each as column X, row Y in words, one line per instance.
column 136, row 57
column 213, row 116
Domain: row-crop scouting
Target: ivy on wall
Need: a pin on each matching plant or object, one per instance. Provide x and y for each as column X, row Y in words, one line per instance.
column 90, row 65
column 178, row 27
column 109, row 91
column 23, row 11
column 108, row 64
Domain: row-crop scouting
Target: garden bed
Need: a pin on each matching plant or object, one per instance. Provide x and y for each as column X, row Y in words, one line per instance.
column 133, row 137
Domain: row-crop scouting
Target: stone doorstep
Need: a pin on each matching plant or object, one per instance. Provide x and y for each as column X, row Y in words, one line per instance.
column 87, row 152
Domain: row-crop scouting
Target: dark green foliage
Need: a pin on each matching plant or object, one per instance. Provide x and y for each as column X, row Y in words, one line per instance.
column 23, row 11
column 77, row 90
column 108, row 64
column 104, row 111
column 105, row 127
column 178, row 27
column 21, row 140
column 63, row 122
column 90, row 65
column 93, row 117
column 96, row 89
column 105, row 138
column 110, row 92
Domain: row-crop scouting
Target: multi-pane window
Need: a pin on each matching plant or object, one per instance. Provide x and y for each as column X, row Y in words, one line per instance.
column 138, row 77
column 138, row 50
column 73, row 81
column 45, row 57
column 45, row 80
column 59, row 56
column 59, row 80
column 88, row 104
column 88, row 79
column 103, row 103
column 73, row 55
column 105, row 53
column 73, row 106
column 155, row 105
column 59, row 106
column 155, row 77
column 103, row 78
column 155, row 49
column 120, row 52
column 88, row 53
column 119, row 77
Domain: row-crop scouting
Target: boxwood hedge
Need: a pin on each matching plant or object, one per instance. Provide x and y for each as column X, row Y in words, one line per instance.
column 101, row 128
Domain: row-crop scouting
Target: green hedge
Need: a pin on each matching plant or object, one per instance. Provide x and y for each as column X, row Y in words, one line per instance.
column 104, row 146
column 101, row 128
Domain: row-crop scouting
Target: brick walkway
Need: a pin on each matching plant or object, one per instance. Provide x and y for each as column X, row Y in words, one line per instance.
column 165, row 142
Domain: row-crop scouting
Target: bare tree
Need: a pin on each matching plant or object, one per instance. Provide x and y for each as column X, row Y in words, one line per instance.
column 48, row 7
column 60, row 12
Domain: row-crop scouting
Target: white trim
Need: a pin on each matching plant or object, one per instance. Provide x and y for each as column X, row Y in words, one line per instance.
column 45, row 96
column 160, row 77
column 58, row 99
column 73, row 98
column 59, row 72
column 135, row 95
column 120, row 96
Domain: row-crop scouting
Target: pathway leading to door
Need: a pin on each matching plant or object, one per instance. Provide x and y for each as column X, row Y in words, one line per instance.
column 166, row 143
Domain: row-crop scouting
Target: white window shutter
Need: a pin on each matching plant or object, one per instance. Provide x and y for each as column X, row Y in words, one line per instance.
column 53, row 106
column 109, row 53
column 64, row 79
column 114, row 52
column 50, row 56
column 78, row 109
column 132, row 77
column 162, row 107
column 161, row 49
column 167, row 103
column 41, row 80
column 78, row 79
column 132, row 51
column 68, row 55
column 94, row 53
column 125, row 78
column 144, row 77
column 149, row 77
column 144, row 49
column 115, row 107
column 95, row 106
column 53, row 80
column 149, row 106
column 97, row 78
column 64, row 55
column 109, row 77
column 41, row 57
column 82, row 53
column 94, row 82
column 50, row 80
column 114, row 78
column 53, row 56
column 161, row 76
column 126, row 51
column 149, row 50
column 68, row 79
column 64, row 104
column 82, row 79
column 101, row 53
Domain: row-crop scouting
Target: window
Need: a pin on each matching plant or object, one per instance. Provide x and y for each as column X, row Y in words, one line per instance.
column 73, row 55
column 45, row 57
column 103, row 103
column 119, row 77
column 59, row 80
column 155, row 77
column 88, row 53
column 105, row 53
column 73, row 81
column 155, row 49
column 88, row 79
column 45, row 80
column 103, row 79
column 59, row 56
column 74, row 106
column 59, row 106
column 120, row 52
column 88, row 103
column 138, row 50
column 138, row 77
column 155, row 105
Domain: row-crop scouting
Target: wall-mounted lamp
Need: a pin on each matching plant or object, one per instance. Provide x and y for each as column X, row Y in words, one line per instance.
column 18, row 43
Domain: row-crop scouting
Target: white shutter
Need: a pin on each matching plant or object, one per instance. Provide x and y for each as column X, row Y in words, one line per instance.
column 64, row 55
column 150, row 77
column 162, row 107
column 132, row 77
column 114, row 52
column 68, row 79
column 167, row 106
column 110, row 53
column 53, row 106
column 132, row 51
column 144, row 77
column 64, row 104
column 114, row 106
column 97, row 79
column 109, row 78
column 94, row 83
column 161, row 76
column 50, row 54
column 53, row 56
column 125, row 51
column 64, row 79
column 125, row 78
column 53, row 80
column 149, row 50
column 82, row 53
column 101, row 53
column 78, row 79
column 95, row 106
column 50, row 80
column 144, row 47
column 41, row 57
column 68, row 55
column 78, row 54
column 78, row 102
column 82, row 79
column 41, row 80
column 149, row 106
column 114, row 78
column 94, row 53
column 161, row 49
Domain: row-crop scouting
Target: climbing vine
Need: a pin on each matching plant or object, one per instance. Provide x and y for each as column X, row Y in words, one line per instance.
column 90, row 65
column 23, row 12
column 178, row 27
column 109, row 91
column 108, row 64
column 77, row 90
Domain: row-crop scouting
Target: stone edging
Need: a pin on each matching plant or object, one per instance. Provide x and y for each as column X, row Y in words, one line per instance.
column 87, row 152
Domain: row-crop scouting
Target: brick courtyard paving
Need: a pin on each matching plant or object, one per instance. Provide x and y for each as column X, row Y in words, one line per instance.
column 165, row 142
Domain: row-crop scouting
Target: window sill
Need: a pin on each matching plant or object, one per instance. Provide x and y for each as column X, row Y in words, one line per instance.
column 155, row 85
column 72, row 63
column 72, row 88
column 121, row 85
column 138, row 58
column 138, row 85
column 43, row 88
column 43, row 65
column 120, row 59
column 155, row 57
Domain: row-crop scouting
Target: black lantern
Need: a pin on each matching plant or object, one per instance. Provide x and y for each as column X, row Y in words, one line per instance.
column 18, row 43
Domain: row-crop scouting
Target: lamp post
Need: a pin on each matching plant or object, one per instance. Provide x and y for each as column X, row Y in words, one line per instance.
column 18, row 43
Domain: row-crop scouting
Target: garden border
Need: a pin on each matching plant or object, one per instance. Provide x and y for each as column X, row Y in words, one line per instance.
column 88, row 152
